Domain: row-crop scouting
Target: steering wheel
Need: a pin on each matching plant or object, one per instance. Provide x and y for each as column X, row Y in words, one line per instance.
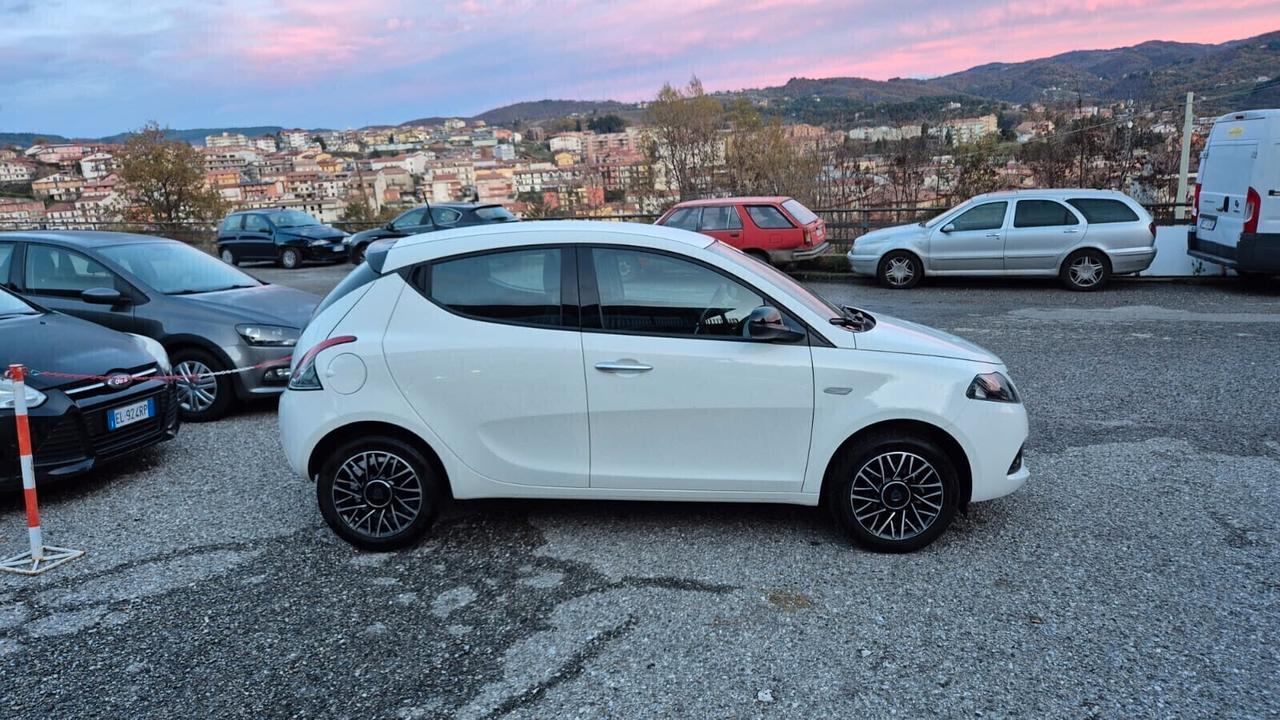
column 715, row 309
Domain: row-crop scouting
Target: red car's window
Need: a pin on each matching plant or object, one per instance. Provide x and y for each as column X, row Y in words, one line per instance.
column 722, row 217
column 684, row 218
column 768, row 217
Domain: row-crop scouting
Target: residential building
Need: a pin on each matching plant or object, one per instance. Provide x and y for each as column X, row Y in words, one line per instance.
column 225, row 140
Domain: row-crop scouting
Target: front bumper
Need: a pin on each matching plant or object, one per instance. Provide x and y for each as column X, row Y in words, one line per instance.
column 70, row 438
column 994, row 434
column 335, row 251
column 260, row 382
column 866, row 265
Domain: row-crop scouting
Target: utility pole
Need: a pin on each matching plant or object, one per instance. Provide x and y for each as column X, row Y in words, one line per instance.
column 1184, row 163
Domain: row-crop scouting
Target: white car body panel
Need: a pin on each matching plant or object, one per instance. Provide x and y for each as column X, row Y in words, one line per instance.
column 521, row 412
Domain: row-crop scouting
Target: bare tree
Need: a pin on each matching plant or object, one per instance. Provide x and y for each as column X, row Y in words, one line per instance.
column 684, row 126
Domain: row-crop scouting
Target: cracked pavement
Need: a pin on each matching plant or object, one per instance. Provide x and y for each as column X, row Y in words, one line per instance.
column 1135, row 576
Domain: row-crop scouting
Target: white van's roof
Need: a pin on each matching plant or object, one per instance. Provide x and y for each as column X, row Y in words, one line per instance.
column 1250, row 115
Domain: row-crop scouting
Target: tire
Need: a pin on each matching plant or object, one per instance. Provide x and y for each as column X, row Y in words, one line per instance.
column 900, row 270
column 373, row 506
column 357, row 254
column 760, row 255
column 868, row 492
column 290, row 259
column 229, row 256
column 194, row 403
column 1085, row 271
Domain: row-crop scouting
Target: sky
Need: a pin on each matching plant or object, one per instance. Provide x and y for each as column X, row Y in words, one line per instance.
column 88, row 68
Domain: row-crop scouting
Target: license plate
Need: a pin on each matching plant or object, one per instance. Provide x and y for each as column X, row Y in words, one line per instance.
column 337, row 247
column 130, row 414
column 1208, row 222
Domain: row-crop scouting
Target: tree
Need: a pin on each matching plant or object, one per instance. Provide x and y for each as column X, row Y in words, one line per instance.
column 1050, row 162
column 761, row 160
column 685, row 137
column 977, row 168
column 607, row 124
column 167, row 179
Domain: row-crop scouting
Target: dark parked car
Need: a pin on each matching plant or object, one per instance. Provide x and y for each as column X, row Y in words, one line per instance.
column 285, row 237
column 439, row 216
column 208, row 315
column 78, row 423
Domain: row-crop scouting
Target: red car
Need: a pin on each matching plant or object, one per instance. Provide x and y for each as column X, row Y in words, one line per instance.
column 773, row 229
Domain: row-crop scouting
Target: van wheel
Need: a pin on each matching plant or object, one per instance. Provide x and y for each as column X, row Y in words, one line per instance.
column 900, row 270
column 228, row 256
column 893, row 493
column 378, row 493
column 290, row 258
column 1085, row 270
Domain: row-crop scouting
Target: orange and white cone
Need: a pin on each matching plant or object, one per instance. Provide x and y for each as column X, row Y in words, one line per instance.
column 40, row 557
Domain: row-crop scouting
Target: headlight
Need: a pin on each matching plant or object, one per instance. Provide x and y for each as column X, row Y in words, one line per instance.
column 268, row 335
column 317, row 243
column 993, row 386
column 34, row 397
column 155, row 350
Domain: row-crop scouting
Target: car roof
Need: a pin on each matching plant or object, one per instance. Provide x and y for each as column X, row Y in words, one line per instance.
column 1058, row 193
column 83, row 238
column 461, row 205
column 746, row 199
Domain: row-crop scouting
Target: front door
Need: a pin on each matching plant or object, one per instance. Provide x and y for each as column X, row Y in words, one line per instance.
column 257, row 239
column 487, row 351
column 972, row 241
column 1042, row 232
column 54, row 277
column 679, row 399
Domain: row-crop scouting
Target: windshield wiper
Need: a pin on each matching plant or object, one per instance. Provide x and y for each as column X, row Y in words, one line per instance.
column 853, row 319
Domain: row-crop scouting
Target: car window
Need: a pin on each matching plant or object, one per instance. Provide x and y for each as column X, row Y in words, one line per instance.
column 6, row 262
column 684, row 218
column 292, row 219
column 494, row 213
column 231, row 224
column 802, row 214
column 1098, row 210
column 445, row 216
column 518, row 286
column 721, row 217
column 768, row 217
column 256, row 223
column 987, row 216
column 413, row 218
column 651, row 293
column 55, row 271
column 1042, row 213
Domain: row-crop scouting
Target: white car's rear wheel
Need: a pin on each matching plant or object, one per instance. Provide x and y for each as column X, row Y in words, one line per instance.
column 378, row 493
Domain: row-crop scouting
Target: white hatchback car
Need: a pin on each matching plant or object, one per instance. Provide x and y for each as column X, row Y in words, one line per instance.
column 598, row 360
column 1082, row 237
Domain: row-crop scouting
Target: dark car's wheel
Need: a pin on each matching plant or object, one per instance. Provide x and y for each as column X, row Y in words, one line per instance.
column 378, row 493
column 1085, row 270
column 290, row 258
column 900, row 270
column 202, row 396
column 228, row 256
column 893, row 493
column 357, row 253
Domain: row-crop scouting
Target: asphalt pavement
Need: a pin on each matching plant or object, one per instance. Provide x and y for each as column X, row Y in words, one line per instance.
column 1135, row 576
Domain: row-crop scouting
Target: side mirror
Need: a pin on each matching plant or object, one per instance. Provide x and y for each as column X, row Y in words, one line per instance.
column 103, row 296
column 948, row 228
column 389, row 226
column 766, row 325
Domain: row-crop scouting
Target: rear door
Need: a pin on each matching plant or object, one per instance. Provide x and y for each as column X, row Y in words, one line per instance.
column 972, row 241
column 723, row 223
column 1042, row 231
column 54, row 277
column 1226, row 168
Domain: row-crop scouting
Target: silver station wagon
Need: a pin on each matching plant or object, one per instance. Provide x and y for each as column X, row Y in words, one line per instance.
column 1082, row 237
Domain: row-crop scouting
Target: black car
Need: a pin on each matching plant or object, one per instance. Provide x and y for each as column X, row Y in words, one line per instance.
column 440, row 216
column 285, row 237
column 208, row 315
column 78, row 423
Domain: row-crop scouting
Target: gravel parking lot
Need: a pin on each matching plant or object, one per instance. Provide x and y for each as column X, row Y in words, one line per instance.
column 1135, row 576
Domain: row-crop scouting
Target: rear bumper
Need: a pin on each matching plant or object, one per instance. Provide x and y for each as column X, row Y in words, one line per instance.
column 1256, row 252
column 797, row 254
column 1131, row 260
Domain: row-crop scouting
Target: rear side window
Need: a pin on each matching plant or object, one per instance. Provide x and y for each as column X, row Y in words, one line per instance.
column 684, row 218
column 802, row 214
column 768, row 217
column 724, row 217
column 1042, row 213
column 518, row 286
column 445, row 216
column 494, row 214
column 1104, row 211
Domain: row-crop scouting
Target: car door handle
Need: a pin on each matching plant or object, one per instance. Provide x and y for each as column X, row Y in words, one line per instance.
column 623, row 366
column 1071, row 231
column 993, row 235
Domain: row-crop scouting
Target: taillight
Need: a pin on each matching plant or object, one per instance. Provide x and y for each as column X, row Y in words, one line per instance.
column 304, row 375
column 1252, row 207
column 808, row 236
column 1195, row 203
column 1151, row 228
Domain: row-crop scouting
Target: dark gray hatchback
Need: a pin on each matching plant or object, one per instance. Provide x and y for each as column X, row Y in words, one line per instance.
column 208, row 315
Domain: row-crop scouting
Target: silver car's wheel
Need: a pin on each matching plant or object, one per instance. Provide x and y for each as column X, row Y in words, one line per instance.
column 1086, row 271
column 198, row 388
column 900, row 270
column 377, row 494
column 896, row 495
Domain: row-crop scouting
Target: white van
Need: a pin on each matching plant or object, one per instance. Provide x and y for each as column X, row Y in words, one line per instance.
column 1237, row 202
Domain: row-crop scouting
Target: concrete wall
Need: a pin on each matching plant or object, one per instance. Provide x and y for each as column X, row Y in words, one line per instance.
column 1172, row 259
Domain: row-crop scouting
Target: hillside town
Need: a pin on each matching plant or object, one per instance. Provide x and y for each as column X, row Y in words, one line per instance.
column 579, row 166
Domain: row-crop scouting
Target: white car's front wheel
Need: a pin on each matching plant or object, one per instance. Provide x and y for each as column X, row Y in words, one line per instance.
column 893, row 493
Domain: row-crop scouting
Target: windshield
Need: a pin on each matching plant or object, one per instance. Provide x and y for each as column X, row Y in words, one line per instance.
column 938, row 218
column 292, row 218
column 14, row 305
column 795, row 290
column 175, row 268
